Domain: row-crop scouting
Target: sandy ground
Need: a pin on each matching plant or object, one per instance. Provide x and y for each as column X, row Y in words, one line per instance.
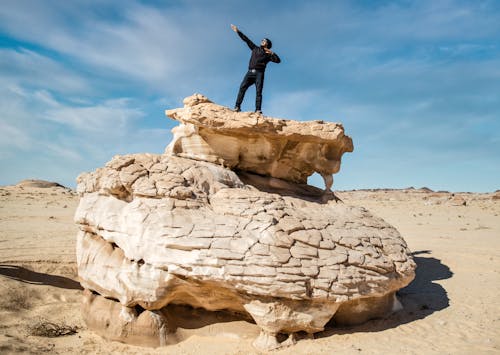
column 452, row 307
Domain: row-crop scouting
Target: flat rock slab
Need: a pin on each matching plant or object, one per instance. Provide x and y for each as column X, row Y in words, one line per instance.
column 284, row 149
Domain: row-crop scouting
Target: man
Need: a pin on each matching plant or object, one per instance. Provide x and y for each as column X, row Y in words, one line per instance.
column 256, row 68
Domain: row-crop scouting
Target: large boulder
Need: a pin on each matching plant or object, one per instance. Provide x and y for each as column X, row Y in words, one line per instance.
column 163, row 230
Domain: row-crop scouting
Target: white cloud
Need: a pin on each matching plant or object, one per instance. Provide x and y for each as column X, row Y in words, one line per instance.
column 11, row 136
column 44, row 97
column 63, row 151
column 42, row 136
column 25, row 67
column 161, row 47
column 109, row 117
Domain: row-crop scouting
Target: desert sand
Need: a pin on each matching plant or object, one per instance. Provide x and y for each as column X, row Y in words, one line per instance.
column 452, row 307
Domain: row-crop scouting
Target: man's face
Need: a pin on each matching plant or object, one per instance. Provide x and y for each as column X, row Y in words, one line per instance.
column 263, row 43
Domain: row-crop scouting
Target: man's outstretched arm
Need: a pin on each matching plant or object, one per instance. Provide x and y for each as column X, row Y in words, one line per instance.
column 243, row 37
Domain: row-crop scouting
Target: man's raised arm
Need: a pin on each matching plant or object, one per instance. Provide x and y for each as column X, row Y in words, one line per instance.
column 243, row 37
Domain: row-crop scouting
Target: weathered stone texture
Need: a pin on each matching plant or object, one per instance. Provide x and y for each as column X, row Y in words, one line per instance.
column 158, row 230
column 285, row 149
column 142, row 250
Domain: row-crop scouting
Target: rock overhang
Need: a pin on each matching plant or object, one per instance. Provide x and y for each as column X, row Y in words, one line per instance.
column 248, row 141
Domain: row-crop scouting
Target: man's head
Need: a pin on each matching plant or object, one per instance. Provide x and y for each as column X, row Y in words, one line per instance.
column 266, row 42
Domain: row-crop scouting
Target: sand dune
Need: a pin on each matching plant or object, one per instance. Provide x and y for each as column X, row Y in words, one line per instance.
column 452, row 307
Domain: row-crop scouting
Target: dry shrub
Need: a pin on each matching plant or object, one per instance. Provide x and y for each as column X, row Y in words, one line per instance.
column 16, row 299
column 45, row 328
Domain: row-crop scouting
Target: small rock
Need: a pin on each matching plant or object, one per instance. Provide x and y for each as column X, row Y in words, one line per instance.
column 457, row 200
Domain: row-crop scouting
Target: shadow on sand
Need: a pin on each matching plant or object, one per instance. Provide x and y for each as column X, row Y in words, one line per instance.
column 22, row 274
column 422, row 292
column 420, row 298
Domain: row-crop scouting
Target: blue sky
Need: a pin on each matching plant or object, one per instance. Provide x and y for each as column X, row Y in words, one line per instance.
column 415, row 83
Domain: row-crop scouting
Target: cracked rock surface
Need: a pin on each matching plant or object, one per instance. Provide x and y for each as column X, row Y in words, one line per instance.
column 159, row 230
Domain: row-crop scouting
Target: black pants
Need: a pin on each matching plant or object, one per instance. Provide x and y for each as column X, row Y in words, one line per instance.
column 252, row 77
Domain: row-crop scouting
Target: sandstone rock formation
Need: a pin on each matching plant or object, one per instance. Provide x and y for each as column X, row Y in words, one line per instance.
column 163, row 230
column 457, row 200
column 284, row 149
column 38, row 183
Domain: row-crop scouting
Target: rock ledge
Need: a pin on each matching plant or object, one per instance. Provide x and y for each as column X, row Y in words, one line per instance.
column 284, row 149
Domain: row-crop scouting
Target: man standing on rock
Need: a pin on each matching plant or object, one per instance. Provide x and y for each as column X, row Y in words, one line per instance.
column 256, row 68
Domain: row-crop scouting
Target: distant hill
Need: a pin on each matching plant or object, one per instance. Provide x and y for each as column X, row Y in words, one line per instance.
column 38, row 183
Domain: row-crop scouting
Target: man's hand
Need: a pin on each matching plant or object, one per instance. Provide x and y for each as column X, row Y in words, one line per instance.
column 268, row 51
column 234, row 28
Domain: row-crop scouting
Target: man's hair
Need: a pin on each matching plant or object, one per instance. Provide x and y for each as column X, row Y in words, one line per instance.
column 269, row 43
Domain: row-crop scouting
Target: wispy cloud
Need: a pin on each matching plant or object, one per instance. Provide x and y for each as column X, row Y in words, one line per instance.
column 11, row 136
column 110, row 116
column 21, row 66
column 36, row 126
column 160, row 47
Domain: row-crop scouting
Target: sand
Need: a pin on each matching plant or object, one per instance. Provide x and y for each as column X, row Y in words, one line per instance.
column 452, row 307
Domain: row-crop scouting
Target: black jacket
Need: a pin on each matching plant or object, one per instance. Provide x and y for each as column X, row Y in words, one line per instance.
column 259, row 58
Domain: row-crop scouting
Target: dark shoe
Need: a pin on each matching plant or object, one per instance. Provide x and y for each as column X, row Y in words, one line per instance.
column 259, row 112
column 237, row 109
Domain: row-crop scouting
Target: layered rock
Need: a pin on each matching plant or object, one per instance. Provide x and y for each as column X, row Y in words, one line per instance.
column 284, row 149
column 163, row 230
